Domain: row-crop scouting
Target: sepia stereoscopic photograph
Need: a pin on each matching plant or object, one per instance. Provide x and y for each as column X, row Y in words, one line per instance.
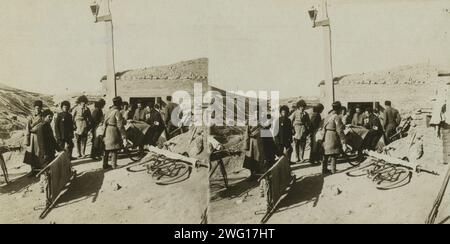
column 224, row 112
column 87, row 95
column 359, row 132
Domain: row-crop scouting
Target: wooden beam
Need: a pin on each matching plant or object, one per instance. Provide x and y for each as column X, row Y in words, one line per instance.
column 391, row 160
column 169, row 154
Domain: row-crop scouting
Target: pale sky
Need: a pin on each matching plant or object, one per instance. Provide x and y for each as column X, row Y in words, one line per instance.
column 53, row 46
column 272, row 45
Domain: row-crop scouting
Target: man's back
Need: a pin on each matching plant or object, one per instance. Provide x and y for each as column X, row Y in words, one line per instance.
column 168, row 111
column 391, row 116
column 154, row 118
column 97, row 116
column 358, row 119
column 139, row 114
column 64, row 126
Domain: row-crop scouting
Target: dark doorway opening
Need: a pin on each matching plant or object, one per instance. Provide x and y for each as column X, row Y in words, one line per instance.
column 364, row 105
column 147, row 101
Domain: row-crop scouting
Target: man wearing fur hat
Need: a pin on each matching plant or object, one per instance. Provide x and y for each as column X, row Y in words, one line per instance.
column 64, row 128
column 46, row 139
column 31, row 141
column 115, row 135
column 334, row 139
column 97, row 120
column 301, row 123
column 44, row 144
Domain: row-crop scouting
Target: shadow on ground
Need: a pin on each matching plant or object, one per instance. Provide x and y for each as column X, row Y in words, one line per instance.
column 19, row 184
column 237, row 187
column 84, row 186
column 303, row 191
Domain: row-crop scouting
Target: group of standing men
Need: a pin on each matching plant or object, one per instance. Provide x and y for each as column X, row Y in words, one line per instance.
column 326, row 136
column 107, row 130
column 386, row 122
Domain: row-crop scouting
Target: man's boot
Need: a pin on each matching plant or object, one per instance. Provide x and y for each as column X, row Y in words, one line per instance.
column 114, row 160
column 325, row 170
column 70, row 151
column 82, row 148
column 105, row 162
column 333, row 165
column 295, row 157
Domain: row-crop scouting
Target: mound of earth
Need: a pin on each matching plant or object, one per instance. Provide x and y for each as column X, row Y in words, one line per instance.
column 186, row 70
column 192, row 143
column 416, row 74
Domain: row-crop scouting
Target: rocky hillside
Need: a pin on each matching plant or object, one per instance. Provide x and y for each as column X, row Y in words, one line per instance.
column 15, row 106
column 187, row 70
column 72, row 98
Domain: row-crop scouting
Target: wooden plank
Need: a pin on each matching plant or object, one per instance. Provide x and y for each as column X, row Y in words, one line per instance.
column 392, row 160
column 271, row 168
column 192, row 161
column 50, row 164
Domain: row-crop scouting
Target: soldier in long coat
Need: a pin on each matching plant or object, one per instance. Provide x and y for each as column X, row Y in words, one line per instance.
column 334, row 139
column 260, row 152
column 83, row 122
column 155, row 120
column 170, row 107
column 97, row 120
column 283, row 139
column 301, row 123
column 373, row 124
column 253, row 147
column 45, row 141
column 316, row 123
column 33, row 151
column 64, row 128
column 115, row 135
column 392, row 120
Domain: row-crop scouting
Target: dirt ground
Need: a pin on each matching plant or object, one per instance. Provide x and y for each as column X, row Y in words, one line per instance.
column 98, row 196
column 336, row 198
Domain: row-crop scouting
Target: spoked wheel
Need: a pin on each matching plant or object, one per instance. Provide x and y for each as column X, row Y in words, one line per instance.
column 350, row 153
column 138, row 156
column 163, row 170
column 392, row 177
column 142, row 166
column 385, row 176
column 356, row 162
column 362, row 170
column 169, row 172
column 135, row 154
